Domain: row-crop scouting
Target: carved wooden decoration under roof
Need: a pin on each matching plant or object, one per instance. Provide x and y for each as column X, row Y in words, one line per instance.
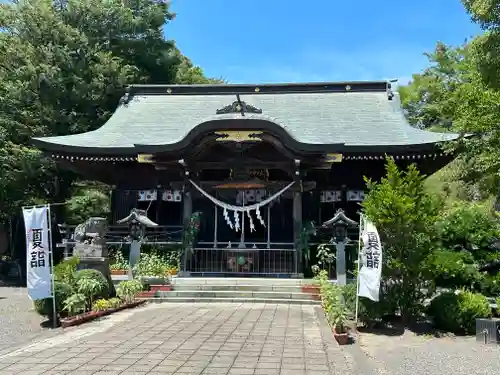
column 238, row 136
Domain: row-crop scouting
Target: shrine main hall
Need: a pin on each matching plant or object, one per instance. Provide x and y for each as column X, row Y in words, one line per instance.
column 256, row 163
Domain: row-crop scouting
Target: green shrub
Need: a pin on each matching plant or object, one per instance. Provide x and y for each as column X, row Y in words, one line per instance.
column 349, row 294
column 119, row 262
column 115, row 302
column 470, row 226
column 152, row 264
column 334, row 306
column 101, row 305
column 490, row 285
column 454, row 269
column 127, row 290
column 90, row 288
column 371, row 313
column 102, row 290
column 44, row 306
column 457, row 312
column 405, row 216
column 75, row 304
column 65, row 271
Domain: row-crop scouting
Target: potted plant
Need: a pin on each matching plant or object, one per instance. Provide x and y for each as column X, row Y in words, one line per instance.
column 172, row 271
column 153, row 269
column 337, row 316
column 120, row 265
column 147, row 292
column 128, row 290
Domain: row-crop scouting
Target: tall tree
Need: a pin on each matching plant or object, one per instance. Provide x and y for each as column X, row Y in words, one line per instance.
column 428, row 99
column 63, row 68
column 458, row 92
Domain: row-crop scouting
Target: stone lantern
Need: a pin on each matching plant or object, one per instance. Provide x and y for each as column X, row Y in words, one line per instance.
column 339, row 224
column 137, row 222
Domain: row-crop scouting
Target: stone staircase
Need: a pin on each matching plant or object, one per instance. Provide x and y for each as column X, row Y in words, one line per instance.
column 195, row 289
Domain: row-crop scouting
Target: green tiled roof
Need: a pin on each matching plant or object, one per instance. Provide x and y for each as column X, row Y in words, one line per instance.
column 353, row 118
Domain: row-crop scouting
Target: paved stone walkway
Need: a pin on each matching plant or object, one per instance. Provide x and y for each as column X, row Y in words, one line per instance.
column 238, row 338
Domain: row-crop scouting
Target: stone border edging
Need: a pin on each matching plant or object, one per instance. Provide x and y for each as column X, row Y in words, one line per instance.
column 332, row 348
column 92, row 315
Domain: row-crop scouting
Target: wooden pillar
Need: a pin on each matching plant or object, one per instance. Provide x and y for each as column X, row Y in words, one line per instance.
column 297, row 219
column 186, row 219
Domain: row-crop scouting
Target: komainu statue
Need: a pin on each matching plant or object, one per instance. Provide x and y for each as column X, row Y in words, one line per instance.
column 89, row 238
column 91, row 231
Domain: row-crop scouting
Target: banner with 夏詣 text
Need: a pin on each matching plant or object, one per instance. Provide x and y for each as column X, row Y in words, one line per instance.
column 370, row 272
column 38, row 273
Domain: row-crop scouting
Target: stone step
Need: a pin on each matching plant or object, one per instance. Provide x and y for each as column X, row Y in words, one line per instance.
column 251, row 288
column 237, row 294
column 240, row 281
column 233, row 300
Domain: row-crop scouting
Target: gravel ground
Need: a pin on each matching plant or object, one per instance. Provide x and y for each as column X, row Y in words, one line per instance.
column 19, row 323
column 423, row 355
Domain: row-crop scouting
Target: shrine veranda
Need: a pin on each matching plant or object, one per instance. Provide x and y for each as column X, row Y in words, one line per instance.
column 256, row 161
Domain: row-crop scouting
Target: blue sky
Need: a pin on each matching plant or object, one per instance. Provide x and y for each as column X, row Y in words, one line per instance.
column 317, row 40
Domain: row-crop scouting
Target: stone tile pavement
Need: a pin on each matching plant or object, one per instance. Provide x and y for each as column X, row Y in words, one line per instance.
column 236, row 338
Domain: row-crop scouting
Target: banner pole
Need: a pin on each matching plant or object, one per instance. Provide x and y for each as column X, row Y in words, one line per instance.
column 51, row 254
column 357, row 274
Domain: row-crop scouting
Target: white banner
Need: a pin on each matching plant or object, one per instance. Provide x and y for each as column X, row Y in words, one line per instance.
column 38, row 275
column 370, row 272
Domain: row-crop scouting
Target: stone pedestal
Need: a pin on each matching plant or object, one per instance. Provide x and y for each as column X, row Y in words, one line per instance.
column 341, row 262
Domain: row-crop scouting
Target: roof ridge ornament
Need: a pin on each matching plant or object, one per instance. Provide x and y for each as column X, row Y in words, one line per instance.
column 238, row 106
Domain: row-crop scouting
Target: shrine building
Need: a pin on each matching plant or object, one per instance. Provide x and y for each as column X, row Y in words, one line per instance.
column 256, row 161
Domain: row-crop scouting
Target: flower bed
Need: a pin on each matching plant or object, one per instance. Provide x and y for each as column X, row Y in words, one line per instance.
column 335, row 309
column 92, row 315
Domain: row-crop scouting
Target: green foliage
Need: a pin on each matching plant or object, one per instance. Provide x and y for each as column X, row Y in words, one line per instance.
column 457, row 312
column 75, row 304
column 152, row 264
column 170, row 253
column 325, row 256
column 119, row 262
column 90, row 288
column 65, row 271
column 490, row 285
column 428, row 99
column 371, row 313
column 466, row 232
column 62, row 292
column 114, row 302
column 471, row 226
column 100, row 285
column 63, row 69
column 86, row 203
column 333, row 304
column 127, row 290
column 459, row 91
column 454, row 269
column 102, row 305
column 191, row 233
column 405, row 216
column 349, row 295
